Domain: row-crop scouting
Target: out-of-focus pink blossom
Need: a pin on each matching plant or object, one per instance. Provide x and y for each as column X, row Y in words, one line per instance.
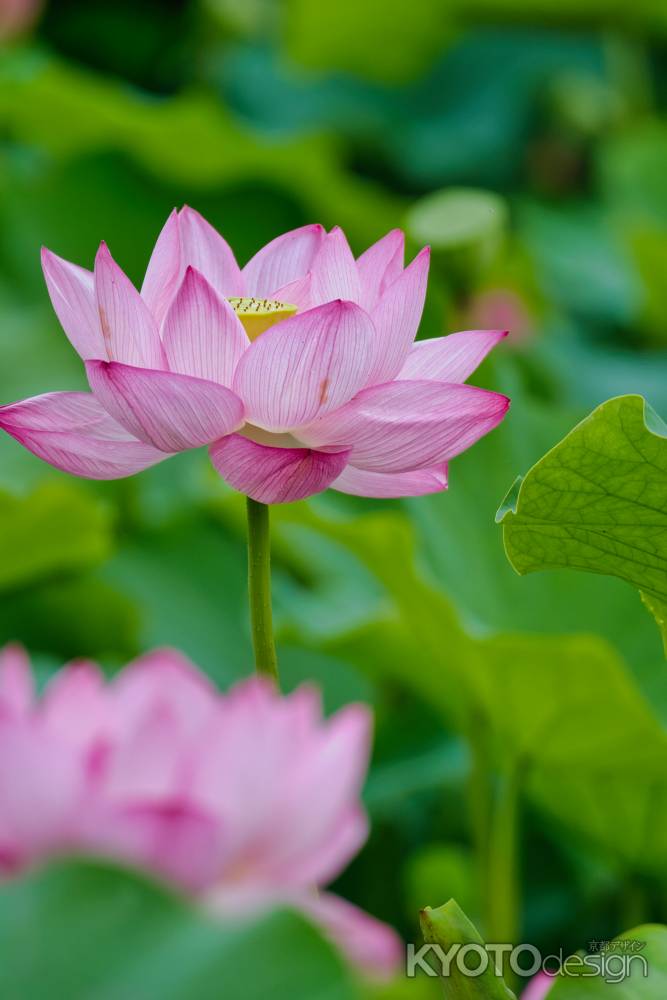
column 299, row 371
column 17, row 16
column 502, row 307
column 247, row 800
column 538, row 987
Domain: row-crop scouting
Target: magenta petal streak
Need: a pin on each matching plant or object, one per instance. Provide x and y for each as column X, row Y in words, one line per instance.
column 72, row 431
column 275, row 475
column 170, row 411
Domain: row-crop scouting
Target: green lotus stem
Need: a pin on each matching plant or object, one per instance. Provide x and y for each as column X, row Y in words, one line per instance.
column 503, row 905
column 259, row 588
column 479, row 791
column 635, row 904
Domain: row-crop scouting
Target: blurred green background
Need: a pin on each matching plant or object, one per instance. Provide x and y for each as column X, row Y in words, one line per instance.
column 520, row 751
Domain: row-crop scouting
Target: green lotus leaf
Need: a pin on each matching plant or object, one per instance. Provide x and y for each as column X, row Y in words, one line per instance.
column 631, row 967
column 597, row 502
column 82, row 929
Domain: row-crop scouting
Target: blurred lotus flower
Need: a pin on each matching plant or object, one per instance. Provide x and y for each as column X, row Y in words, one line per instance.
column 17, row 17
column 502, row 307
column 538, row 987
column 247, row 800
column 299, row 371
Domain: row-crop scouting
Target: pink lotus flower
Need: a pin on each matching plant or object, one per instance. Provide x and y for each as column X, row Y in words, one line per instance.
column 502, row 307
column 246, row 801
column 17, row 17
column 539, row 986
column 299, row 371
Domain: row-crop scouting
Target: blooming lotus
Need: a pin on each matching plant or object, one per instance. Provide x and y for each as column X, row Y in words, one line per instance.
column 539, row 986
column 299, row 371
column 17, row 17
column 246, row 801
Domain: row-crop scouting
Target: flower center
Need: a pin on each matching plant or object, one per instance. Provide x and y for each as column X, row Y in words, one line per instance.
column 257, row 315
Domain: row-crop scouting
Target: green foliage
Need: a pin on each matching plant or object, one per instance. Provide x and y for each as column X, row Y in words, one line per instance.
column 630, row 165
column 448, row 925
column 203, row 614
column 82, row 616
column 567, row 703
column 439, row 869
column 533, row 714
column 582, row 263
column 463, row 226
column 57, row 530
column 651, row 946
column 597, row 501
column 564, row 709
column 521, row 718
column 188, row 139
column 461, row 549
column 457, row 217
column 619, row 816
column 383, row 44
column 88, row 929
column 50, row 541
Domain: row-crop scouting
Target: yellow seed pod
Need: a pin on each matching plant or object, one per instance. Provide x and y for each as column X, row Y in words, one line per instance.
column 257, row 315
